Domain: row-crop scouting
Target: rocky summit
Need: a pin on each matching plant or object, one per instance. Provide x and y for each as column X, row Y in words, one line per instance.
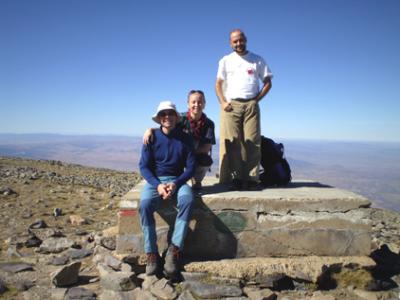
column 61, row 229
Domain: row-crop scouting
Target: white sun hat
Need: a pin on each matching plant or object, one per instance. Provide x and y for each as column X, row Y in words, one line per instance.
column 165, row 105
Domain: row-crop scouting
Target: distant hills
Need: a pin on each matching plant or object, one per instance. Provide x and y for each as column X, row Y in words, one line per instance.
column 367, row 168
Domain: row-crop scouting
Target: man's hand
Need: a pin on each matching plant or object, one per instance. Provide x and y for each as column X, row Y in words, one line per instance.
column 171, row 187
column 226, row 106
column 163, row 191
column 148, row 136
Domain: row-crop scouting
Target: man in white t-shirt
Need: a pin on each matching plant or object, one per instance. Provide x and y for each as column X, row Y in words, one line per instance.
column 238, row 89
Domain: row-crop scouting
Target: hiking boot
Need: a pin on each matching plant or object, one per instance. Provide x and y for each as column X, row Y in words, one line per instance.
column 152, row 264
column 171, row 260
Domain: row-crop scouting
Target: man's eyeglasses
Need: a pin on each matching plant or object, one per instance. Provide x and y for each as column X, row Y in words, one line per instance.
column 165, row 113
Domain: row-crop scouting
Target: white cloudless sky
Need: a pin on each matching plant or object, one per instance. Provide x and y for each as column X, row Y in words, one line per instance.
column 102, row 67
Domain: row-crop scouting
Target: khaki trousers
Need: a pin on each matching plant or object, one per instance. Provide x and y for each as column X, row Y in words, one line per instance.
column 240, row 142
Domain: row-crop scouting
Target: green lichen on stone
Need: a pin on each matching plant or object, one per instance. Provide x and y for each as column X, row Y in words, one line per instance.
column 230, row 221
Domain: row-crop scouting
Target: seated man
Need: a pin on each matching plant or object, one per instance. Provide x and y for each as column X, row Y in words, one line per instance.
column 166, row 163
column 201, row 128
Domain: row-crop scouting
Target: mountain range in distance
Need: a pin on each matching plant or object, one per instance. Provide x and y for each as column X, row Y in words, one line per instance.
column 371, row 169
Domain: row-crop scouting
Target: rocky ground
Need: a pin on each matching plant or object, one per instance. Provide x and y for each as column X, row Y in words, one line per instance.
column 57, row 227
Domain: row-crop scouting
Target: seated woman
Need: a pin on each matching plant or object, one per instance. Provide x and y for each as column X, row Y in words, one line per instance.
column 196, row 123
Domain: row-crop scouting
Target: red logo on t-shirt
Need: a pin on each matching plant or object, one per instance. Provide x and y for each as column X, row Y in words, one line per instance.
column 250, row 71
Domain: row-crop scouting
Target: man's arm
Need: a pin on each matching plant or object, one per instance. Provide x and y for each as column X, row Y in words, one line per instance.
column 265, row 89
column 190, row 165
column 148, row 136
column 146, row 163
column 225, row 105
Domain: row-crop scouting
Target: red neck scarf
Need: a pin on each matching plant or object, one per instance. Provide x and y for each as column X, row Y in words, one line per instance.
column 196, row 126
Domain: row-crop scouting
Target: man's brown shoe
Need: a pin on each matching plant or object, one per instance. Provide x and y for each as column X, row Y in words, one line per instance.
column 153, row 262
column 172, row 260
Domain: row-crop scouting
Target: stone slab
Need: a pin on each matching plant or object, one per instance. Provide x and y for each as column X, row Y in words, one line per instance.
column 305, row 218
column 308, row 268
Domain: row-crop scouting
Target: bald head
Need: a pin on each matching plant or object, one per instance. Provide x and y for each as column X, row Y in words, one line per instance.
column 237, row 41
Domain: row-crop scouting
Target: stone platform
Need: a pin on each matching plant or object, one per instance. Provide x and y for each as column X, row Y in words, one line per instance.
column 305, row 218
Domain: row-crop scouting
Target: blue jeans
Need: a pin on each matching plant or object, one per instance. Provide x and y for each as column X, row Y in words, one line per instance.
column 150, row 201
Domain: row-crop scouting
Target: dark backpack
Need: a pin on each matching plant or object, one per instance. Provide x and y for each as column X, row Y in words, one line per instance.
column 276, row 169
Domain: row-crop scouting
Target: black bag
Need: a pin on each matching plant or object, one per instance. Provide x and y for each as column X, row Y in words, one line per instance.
column 203, row 159
column 276, row 169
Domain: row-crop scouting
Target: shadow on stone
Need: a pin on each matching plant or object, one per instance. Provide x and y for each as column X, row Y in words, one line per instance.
column 387, row 266
column 216, row 241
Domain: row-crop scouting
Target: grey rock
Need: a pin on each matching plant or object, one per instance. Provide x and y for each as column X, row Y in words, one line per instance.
column 79, row 293
column 58, row 293
column 23, row 285
column 212, row 291
column 45, row 233
column 163, row 290
column 12, row 252
column 112, row 262
column 193, row 276
column 148, row 281
column 79, row 253
column 263, row 294
column 136, row 294
column 118, row 281
column 38, row 224
column 55, row 245
column 109, row 242
column 33, row 241
column 186, row 295
column 67, row 275
column 59, row 260
column 15, row 267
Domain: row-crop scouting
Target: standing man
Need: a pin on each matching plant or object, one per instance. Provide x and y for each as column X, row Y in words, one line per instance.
column 166, row 163
column 238, row 91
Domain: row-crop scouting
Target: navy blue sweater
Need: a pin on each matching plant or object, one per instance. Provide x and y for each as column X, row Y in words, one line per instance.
column 168, row 155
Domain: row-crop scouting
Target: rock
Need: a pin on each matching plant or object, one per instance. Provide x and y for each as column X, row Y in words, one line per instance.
column 79, row 253
column 7, row 191
column 108, row 242
column 212, row 291
column 57, row 212
column 38, row 224
column 67, row 275
column 59, row 260
column 318, row 295
column 23, row 285
column 112, row 262
column 137, row 294
column 186, row 295
column 3, row 287
column 58, row 293
column 308, row 268
column 163, row 290
column 45, row 233
column 79, row 293
column 148, row 281
column 263, row 294
column 55, row 245
column 15, row 267
column 77, row 220
column 12, row 252
column 33, row 241
column 118, row 281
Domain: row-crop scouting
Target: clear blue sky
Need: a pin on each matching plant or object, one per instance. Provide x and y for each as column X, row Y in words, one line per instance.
column 101, row 67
